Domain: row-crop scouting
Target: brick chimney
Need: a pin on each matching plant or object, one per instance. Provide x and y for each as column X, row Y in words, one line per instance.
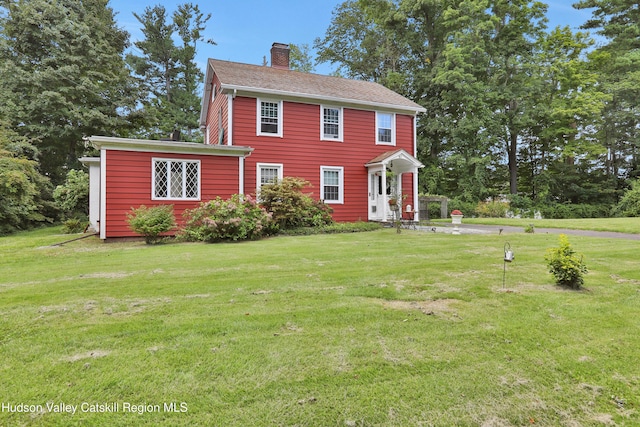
column 280, row 56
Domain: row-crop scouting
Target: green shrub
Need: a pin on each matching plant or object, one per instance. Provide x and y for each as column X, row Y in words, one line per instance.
column 630, row 203
column 566, row 266
column 73, row 226
column 574, row 210
column 492, row 209
column 468, row 208
column 238, row 218
column 291, row 207
column 519, row 203
column 529, row 229
column 151, row 222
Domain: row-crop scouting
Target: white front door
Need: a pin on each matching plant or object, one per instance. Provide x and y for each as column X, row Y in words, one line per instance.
column 380, row 191
column 376, row 196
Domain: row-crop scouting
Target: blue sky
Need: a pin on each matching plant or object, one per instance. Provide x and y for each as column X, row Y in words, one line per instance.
column 245, row 29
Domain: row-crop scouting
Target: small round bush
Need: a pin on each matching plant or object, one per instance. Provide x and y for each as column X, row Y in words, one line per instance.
column 238, row 218
column 151, row 222
column 566, row 266
column 74, row 225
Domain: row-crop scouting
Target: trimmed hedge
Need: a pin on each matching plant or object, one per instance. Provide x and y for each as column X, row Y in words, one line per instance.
column 341, row 227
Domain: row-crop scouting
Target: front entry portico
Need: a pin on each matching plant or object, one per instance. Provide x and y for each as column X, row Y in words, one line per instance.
column 385, row 183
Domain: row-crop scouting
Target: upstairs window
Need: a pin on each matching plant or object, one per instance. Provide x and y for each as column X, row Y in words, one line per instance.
column 175, row 179
column 331, row 123
column 385, row 129
column 332, row 184
column 269, row 118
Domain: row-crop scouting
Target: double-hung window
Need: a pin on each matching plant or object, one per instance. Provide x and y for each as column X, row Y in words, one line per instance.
column 331, row 119
column 269, row 117
column 268, row 173
column 175, row 179
column 385, row 128
column 332, row 184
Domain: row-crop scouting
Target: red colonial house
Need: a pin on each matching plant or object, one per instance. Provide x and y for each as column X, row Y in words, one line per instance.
column 355, row 141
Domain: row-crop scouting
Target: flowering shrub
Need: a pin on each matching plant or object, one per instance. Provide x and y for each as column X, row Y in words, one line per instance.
column 565, row 265
column 456, row 212
column 492, row 209
column 238, row 218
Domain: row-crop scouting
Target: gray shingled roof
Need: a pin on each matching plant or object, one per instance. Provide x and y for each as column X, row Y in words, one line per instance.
column 262, row 79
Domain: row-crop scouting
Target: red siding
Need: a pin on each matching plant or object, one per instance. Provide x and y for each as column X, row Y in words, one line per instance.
column 128, row 184
column 301, row 151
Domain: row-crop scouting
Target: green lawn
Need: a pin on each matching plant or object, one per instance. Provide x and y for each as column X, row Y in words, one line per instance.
column 356, row 329
column 622, row 225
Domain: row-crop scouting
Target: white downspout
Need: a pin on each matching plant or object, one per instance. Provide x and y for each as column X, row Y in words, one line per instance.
column 383, row 190
column 241, row 175
column 230, row 117
column 103, row 194
column 416, row 199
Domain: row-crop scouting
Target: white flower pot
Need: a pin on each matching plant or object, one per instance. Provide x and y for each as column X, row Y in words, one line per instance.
column 456, row 219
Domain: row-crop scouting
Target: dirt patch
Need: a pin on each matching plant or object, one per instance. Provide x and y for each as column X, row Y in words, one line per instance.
column 198, row 296
column 93, row 354
column 292, row 327
column 622, row 280
column 113, row 275
column 428, row 307
column 606, row 419
column 494, row 421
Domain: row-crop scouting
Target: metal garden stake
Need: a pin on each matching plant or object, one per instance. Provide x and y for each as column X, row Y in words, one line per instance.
column 508, row 257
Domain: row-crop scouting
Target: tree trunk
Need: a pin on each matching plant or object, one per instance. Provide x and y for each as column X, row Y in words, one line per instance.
column 513, row 165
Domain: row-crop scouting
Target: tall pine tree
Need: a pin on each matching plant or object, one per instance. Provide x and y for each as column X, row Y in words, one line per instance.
column 618, row 62
column 168, row 71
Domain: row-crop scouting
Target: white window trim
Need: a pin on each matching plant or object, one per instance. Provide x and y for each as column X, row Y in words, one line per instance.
column 184, row 181
column 259, row 132
column 340, row 137
column 259, row 166
column 340, row 170
column 393, row 129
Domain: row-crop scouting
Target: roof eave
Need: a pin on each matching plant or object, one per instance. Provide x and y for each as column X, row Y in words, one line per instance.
column 398, row 154
column 173, row 147
column 208, row 79
column 246, row 90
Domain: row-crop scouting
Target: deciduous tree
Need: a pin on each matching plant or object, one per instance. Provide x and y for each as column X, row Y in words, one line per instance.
column 63, row 76
column 22, row 188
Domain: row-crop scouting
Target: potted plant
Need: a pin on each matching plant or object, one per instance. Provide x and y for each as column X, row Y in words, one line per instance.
column 456, row 217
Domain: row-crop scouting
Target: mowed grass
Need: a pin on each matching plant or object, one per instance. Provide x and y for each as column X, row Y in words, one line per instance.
column 363, row 329
column 620, row 225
